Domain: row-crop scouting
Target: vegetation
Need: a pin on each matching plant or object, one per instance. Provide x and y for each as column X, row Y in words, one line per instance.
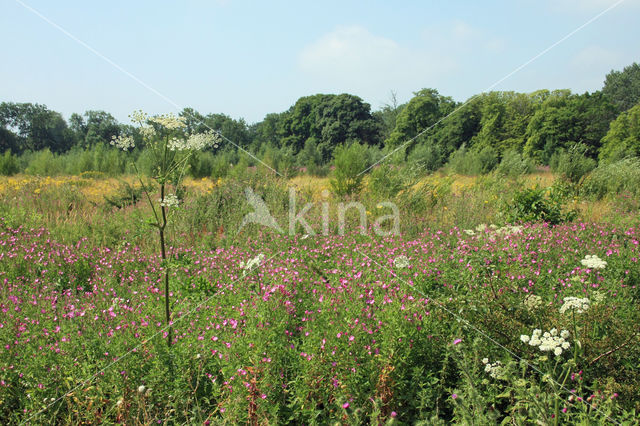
column 443, row 263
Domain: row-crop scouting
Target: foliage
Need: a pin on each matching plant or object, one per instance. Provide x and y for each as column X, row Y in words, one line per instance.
column 8, row 164
column 330, row 120
column 422, row 112
column 36, row 127
column 564, row 119
column 514, row 165
column 623, row 87
column 338, row 332
column 471, row 162
column 350, row 163
column 623, row 138
column 573, row 164
column 611, row 179
column 538, row 205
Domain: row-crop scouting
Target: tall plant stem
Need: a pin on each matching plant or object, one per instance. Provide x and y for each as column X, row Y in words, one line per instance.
column 163, row 252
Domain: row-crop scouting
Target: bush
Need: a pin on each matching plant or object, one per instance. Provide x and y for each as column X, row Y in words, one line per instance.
column 573, row 164
column 538, row 205
column 514, row 165
column 350, row 163
column 426, row 157
column 386, row 180
column 611, row 179
column 8, row 164
column 470, row 162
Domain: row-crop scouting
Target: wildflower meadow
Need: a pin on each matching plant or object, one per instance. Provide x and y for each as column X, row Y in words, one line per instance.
column 511, row 324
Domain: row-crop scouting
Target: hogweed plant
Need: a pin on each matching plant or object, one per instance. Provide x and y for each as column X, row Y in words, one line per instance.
column 171, row 146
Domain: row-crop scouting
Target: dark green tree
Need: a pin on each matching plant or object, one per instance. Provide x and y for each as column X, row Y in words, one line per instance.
column 623, row 138
column 36, row 127
column 330, row 120
column 419, row 117
column 623, row 87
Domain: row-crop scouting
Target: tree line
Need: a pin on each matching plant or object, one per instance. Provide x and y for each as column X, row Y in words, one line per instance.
column 430, row 128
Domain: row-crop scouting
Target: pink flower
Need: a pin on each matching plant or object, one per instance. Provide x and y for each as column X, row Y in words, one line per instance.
column 345, row 405
column 455, row 342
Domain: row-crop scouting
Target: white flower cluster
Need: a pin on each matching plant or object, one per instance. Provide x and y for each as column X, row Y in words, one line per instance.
column 505, row 230
column 549, row 341
column 400, row 262
column 196, row 142
column 147, row 132
column 597, row 297
column 252, row 263
column 170, row 200
column 578, row 304
column 495, row 370
column 139, row 117
column 169, row 121
column 123, row 142
column 509, row 230
column 532, row 302
column 593, row 262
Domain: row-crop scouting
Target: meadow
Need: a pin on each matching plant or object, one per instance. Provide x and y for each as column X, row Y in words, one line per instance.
column 467, row 316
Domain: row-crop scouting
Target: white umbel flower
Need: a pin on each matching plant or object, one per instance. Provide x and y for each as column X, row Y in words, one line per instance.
column 550, row 341
column 170, row 200
column 252, row 263
column 169, row 121
column 123, row 142
column 593, row 262
column 577, row 304
column 401, row 261
column 495, row 370
column 532, row 302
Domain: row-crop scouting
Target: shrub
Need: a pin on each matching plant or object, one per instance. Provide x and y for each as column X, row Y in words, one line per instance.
column 386, row 180
column 573, row 164
column 470, row 162
column 8, row 164
column 611, row 179
column 426, row 157
column 538, row 205
column 514, row 165
column 349, row 161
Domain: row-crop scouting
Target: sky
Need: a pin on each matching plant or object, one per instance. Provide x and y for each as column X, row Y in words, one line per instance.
column 250, row 58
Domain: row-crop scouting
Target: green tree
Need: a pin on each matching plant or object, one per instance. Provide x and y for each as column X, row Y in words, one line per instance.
column 623, row 87
column 623, row 138
column 422, row 112
column 36, row 127
column 388, row 115
column 96, row 127
column 331, row 120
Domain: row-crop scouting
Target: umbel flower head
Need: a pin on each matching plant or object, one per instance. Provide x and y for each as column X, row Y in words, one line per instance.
column 169, row 121
column 196, row 142
column 593, row 262
column 170, row 200
column 495, row 370
column 549, row 341
column 252, row 263
column 577, row 304
column 401, row 261
column 532, row 302
column 122, row 142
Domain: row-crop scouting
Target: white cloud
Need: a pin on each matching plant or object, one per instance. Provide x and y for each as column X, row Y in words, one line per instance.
column 589, row 6
column 353, row 59
column 595, row 56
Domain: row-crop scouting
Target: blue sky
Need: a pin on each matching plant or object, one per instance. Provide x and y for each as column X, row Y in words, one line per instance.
column 247, row 59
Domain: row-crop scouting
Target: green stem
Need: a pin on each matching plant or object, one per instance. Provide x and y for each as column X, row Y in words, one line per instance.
column 163, row 252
